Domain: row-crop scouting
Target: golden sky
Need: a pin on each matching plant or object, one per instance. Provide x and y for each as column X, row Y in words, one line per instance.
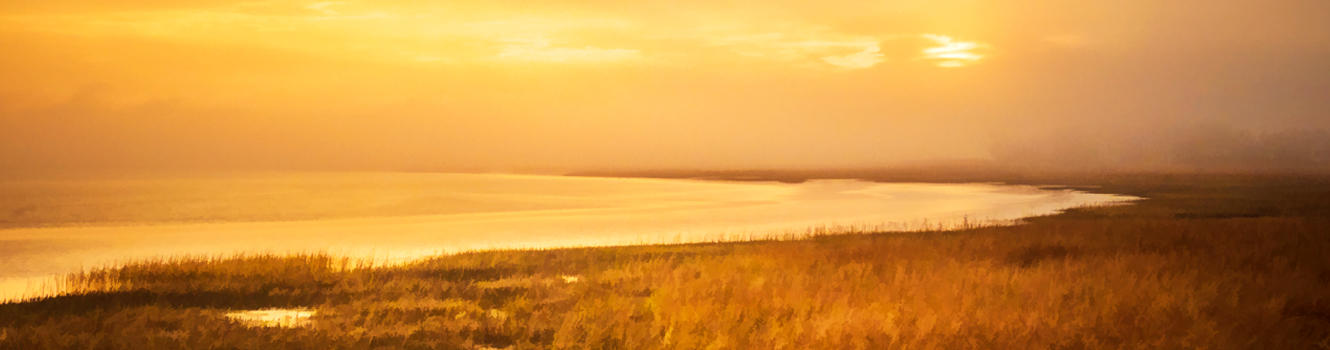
column 511, row 84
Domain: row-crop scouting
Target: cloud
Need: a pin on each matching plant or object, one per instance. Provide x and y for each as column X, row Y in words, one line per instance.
column 370, row 15
column 869, row 57
column 1197, row 146
column 802, row 46
column 733, row 84
column 540, row 50
column 431, row 58
column 323, row 7
column 951, row 53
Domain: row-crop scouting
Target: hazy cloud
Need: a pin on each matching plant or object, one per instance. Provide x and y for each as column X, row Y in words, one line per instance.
column 1207, row 146
column 323, row 7
column 540, row 50
column 693, row 84
column 867, row 58
column 951, row 53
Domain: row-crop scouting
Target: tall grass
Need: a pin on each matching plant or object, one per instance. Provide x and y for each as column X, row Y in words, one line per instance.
column 1223, row 264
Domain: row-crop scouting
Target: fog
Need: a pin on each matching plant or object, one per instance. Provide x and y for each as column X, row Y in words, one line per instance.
column 598, row 85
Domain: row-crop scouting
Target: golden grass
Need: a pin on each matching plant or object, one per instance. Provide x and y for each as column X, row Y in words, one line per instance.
column 1223, row 263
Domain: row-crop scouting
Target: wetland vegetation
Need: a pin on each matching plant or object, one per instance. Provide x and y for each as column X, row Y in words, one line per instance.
column 1221, row 261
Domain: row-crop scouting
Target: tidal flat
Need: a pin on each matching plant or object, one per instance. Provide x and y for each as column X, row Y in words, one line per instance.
column 1223, row 261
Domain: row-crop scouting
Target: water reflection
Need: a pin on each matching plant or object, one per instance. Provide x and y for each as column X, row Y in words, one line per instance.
column 287, row 318
column 67, row 226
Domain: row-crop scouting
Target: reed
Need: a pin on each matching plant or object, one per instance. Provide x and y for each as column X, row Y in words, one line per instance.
column 1226, row 262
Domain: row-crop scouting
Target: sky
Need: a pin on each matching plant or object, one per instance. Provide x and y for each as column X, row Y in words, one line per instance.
column 516, row 85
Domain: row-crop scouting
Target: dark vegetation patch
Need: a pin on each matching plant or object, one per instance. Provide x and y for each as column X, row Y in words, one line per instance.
column 1218, row 215
column 78, row 304
column 465, row 274
column 1318, row 310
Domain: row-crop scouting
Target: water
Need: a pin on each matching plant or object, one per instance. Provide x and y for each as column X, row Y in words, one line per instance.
column 57, row 227
column 286, row 318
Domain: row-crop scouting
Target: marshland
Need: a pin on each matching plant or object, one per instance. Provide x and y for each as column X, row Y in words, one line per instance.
column 683, row 174
column 1202, row 261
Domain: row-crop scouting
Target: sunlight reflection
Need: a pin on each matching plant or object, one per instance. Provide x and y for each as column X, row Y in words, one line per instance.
column 287, row 318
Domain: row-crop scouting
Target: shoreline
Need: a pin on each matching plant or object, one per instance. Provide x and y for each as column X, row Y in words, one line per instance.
column 1127, row 276
column 413, row 238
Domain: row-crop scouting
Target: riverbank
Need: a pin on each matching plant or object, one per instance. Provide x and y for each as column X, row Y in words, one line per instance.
column 1217, row 261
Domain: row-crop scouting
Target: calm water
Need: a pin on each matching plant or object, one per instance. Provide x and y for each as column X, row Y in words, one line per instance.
column 55, row 227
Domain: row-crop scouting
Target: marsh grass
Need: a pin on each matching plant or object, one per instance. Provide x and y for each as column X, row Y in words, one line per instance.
column 1174, row 271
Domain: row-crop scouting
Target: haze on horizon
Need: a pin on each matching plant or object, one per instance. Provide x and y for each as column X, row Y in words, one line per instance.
column 577, row 85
